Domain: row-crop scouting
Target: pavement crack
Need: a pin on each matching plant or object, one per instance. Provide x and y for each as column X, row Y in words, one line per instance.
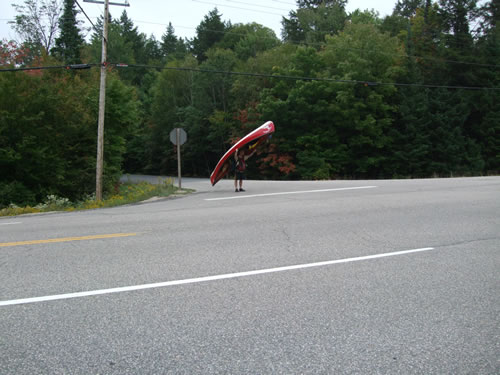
column 466, row 242
column 288, row 239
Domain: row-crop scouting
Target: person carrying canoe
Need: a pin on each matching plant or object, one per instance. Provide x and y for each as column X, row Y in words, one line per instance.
column 240, row 167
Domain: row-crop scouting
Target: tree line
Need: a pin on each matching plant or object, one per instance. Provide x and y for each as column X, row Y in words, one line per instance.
column 352, row 95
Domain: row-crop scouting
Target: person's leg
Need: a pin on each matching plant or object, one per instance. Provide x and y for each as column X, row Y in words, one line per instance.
column 236, row 182
column 241, row 184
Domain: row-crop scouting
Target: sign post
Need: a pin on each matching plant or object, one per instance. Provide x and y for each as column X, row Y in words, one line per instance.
column 178, row 137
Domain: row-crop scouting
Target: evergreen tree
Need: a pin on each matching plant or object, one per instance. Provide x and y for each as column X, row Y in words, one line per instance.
column 411, row 148
column 171, row 46
column 208, row 33
column 131, row 37
column 428, row 46
column 486, row 122
column 69, row 43
column 456, row 16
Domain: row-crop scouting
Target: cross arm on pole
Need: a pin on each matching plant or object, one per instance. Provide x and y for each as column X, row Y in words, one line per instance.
column 126, row 4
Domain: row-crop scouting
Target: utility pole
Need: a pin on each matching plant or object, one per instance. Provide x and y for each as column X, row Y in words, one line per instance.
column 102, row 97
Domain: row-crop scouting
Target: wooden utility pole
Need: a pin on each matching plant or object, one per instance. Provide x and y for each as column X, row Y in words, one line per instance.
column 102, row 98
column 102, row 106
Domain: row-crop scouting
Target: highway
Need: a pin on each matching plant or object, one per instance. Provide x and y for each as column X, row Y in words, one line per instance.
column 289, row 277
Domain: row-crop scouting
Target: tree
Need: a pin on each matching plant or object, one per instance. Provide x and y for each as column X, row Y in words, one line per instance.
column 12, row 54
column 407, row 8
column 37, row 23
column 247, row 40
column 313, row 20
column 173, row 91
column 48, row 137
column 132, row 38
column 171, row 46
column 410, row 134
column 428, row 44
column 45, row 136
column 152, row 50
column 208, row 33
column 365, row 111
column 318, row 3
column 486, row 104
column 455, row 17
column 69, row 43
column 246, row 90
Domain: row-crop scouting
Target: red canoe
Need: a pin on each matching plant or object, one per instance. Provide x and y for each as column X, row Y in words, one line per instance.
column 248, row 143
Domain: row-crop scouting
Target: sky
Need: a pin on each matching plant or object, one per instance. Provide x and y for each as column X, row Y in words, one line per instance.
column 152, row 16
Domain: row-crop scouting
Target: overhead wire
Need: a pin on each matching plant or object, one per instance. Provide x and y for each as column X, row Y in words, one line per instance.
column 317, row 44
column 261, row 75
column 88, row 18
column 235, row 7
column 253, row 5
column 301, row 78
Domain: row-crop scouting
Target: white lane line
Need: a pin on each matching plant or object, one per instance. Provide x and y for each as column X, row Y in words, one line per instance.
column 206, row 278
column 290, row 192
column 11, row 223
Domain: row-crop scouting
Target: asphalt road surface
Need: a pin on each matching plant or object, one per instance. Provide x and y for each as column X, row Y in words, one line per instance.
column 328, row 277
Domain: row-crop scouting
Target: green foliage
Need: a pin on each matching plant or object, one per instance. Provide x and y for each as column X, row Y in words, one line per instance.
column 48, row 134
column 314, row 20
column 247, row 40
column 68, row 44
column 408, row 8
column 172, row 47
column 123, row 193
column 355, row 97
column 208, row 33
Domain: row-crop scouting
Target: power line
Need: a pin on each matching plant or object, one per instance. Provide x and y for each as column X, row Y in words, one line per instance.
column 71, row 66
column 300, row 78
column 320, row 44
column 259, row 75
column 285, row 2
column 436, row 59
column 235, row 7
column 94, row 26
column 301, row 42
column 255, row 5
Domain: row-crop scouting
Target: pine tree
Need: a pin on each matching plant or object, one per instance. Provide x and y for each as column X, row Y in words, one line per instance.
column 456, row 16
column 208, row 33
column 171, row 46
column 68, row 44
column 487, row 103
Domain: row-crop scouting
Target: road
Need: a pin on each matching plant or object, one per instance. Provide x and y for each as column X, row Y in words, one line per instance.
column 324, row 277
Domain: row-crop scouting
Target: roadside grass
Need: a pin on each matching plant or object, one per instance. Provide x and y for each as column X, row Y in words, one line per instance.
column 124, row 193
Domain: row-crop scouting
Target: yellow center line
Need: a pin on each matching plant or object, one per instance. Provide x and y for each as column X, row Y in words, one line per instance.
column 67, row 239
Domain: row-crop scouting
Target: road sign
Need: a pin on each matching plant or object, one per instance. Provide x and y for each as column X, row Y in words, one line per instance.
column 182, row 136
column 178, row 137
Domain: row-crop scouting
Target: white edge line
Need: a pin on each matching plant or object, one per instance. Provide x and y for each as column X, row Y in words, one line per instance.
column 205, row 279
column 290, row 192
column 12, row 223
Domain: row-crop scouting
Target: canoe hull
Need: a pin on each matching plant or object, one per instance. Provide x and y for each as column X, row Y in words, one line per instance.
column 248, row 143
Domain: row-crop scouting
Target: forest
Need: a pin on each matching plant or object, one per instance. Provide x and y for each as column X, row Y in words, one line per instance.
column 353, row 96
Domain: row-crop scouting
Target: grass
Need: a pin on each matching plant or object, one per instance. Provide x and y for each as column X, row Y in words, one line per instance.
column 124, row 193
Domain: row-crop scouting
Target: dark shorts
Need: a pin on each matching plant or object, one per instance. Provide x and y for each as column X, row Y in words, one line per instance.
column 239, row 175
